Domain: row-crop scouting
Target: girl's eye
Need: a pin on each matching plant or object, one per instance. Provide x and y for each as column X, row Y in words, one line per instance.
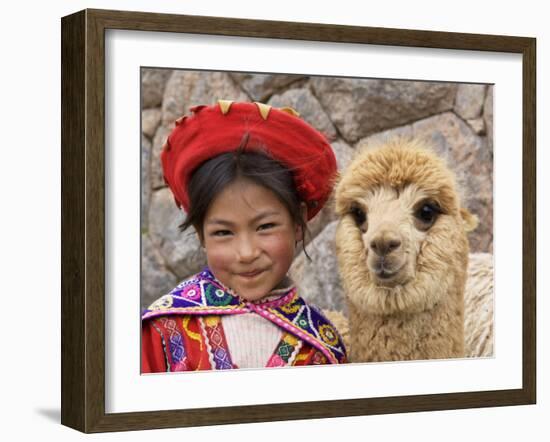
column 221, row 233
column 266, row 226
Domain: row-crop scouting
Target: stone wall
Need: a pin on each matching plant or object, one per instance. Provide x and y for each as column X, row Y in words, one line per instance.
column 455, row 118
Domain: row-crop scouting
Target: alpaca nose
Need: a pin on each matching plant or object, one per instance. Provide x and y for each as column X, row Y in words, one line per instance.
column 385, row 243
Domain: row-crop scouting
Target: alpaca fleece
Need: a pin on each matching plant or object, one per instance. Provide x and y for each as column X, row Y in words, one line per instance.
column 478, row 309
column 421, row 317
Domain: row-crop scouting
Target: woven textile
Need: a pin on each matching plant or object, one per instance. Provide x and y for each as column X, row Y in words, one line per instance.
column 197, row 305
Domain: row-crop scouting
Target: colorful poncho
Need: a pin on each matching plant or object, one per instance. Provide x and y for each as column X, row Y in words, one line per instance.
column 183, row 331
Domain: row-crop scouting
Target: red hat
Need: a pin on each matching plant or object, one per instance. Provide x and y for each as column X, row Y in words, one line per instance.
column 280, row 133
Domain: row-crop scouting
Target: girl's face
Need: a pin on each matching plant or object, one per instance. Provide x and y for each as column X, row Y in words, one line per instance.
column 250, row 239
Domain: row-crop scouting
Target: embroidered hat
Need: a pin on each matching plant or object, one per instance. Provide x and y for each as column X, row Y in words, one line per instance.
column 279, row 133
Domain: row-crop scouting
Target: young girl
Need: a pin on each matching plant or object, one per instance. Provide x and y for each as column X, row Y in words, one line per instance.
column 249, row 177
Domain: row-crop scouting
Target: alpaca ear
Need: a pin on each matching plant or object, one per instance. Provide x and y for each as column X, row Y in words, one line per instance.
column 469, row 220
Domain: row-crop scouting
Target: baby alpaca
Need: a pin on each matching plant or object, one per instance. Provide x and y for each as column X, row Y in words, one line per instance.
column 402, row 251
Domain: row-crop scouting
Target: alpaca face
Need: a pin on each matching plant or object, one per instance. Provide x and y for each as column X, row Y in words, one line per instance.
column 401, row 241
column 393, row 226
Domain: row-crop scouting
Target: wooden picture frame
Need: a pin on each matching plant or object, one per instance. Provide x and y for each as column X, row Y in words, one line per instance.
column 83, row 220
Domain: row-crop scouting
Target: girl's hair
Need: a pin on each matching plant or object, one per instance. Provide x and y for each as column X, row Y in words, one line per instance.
column 214, row 175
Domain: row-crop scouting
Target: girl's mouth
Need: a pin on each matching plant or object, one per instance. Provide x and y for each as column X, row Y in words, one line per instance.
column 250, row 274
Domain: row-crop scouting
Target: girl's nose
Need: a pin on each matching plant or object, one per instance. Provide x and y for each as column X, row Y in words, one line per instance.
column 247, row 250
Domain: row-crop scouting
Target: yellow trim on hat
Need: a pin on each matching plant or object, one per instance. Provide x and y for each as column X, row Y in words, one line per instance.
column 264, row 109
column 290, row 111
column 225, row 105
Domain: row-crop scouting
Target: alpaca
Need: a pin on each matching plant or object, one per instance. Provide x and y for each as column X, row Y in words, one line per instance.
column 478, row 306
column 478, row 309
column 402, row 251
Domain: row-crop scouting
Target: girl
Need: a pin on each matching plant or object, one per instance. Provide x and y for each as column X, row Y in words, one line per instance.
column 249, row 177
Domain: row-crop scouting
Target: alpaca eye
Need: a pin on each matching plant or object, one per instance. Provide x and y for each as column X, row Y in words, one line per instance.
column 426, row 214
column 359, row 215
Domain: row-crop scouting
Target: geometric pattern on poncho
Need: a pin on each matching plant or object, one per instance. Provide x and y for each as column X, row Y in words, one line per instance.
column 203, row 294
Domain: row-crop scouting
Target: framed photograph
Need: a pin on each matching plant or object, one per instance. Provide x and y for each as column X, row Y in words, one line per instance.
column 128, row 78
